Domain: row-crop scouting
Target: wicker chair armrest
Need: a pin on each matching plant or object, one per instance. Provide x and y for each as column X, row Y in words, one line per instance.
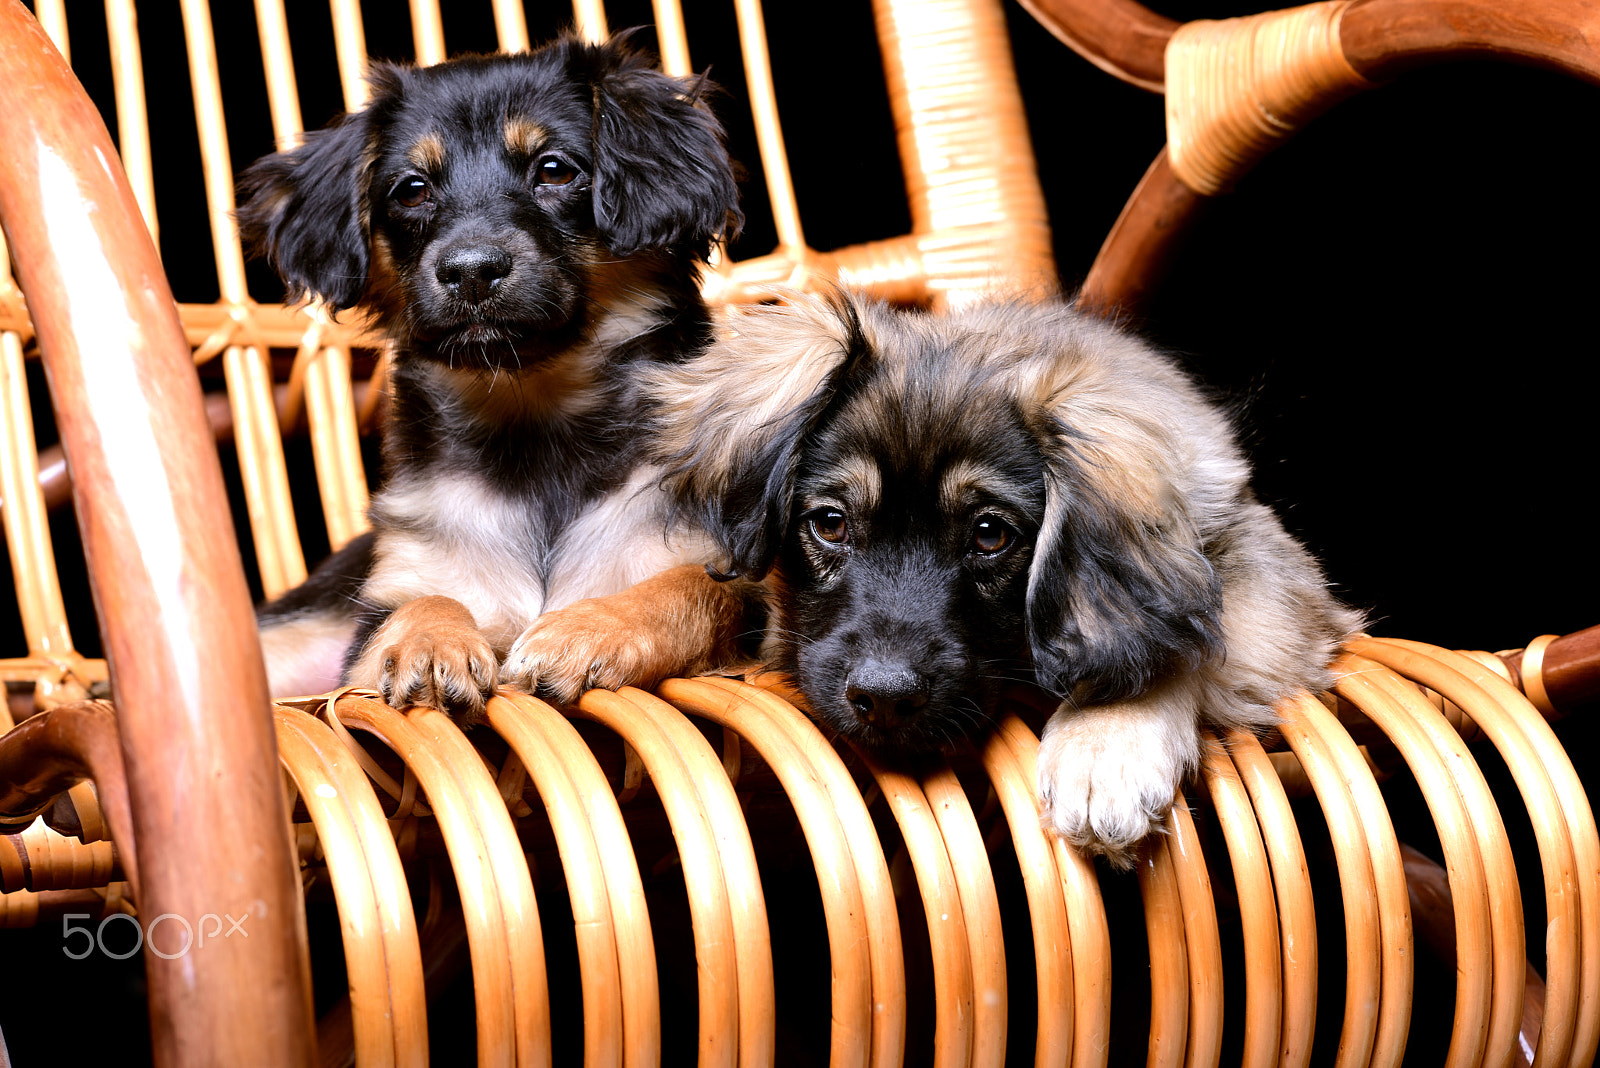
column 202, row 778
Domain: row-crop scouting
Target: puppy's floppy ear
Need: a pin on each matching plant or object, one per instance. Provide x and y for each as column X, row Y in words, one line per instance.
column 733, row 422
column 662, row 178
column 305, row 210
column 1120, row 590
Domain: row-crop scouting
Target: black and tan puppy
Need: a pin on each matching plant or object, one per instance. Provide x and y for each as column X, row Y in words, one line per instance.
column 529, row 230
column 941, row 505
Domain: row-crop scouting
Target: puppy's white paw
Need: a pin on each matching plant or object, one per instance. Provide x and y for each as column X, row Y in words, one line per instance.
column 588, row 644
column 1108, row 776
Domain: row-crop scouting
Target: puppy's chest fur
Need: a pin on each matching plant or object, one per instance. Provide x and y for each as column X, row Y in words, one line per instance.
column 517, row 503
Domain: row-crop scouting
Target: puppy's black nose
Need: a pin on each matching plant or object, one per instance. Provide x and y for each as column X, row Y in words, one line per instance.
column 886, row 694
column 472, row 271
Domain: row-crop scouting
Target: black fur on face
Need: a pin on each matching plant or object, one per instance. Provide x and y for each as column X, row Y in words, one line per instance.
column 905, row 564
column 942, row 506
column 480, row 209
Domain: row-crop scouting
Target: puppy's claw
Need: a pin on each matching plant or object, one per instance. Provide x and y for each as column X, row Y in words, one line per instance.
column 453, row 672
column 1109, row 776
column 429, row 652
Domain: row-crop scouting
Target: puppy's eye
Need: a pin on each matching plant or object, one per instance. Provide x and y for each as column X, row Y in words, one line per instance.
column 991, row 535
column 411, row 191
column 553, row 171
column 829, row 525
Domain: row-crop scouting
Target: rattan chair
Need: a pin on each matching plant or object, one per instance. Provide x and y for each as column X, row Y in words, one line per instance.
column 437, row 849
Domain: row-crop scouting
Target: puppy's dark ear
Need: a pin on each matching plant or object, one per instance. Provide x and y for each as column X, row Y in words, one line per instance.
column 1116, row 599
column 662, row 178
column 1120, row 590
column 733, row 422
column 305, row 210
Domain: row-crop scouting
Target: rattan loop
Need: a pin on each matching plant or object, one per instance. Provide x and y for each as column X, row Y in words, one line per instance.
column 1533, row 675
column 1237, row 87
column 239, row 323
column 404, row 792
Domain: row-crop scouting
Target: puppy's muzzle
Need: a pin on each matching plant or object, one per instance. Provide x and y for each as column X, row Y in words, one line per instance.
column 471, row 272
column 887, row 694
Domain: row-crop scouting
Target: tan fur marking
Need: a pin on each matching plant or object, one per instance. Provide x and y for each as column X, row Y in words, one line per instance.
column 857, row 481
column 427, row 154
column 678, row 622
column 429, row 652
column 523, row 136
column 384, row 294
column 369, row 162
column 963, row 480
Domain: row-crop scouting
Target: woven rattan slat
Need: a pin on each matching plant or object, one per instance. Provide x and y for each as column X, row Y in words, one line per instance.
column 1306, row 733
column 672, row 37
column 383, row 958
column 1047, row 912
column 350, row 46
column 1169, row 957
column 948, row 940
column 1562, row 820
column 1297, row 920
column 27, row 531
column 133, row 115
column 641, row 1002
column 427, row 32
column 975, row 878
column 513, row 1008
column 1478, row 900
column 1086, row 920
column 863, row 928
column 709, row 908
column 872, row 869
column 1395, row 945
column 1203, row 942
column 511, row 26
column 587, row 889
column 747, row 905
column 335, row 439
column 1258, row 909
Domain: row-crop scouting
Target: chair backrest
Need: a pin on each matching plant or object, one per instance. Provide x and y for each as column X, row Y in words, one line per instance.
column 976, row 213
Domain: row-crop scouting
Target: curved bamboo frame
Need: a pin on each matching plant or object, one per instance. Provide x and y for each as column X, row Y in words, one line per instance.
column 1240, row 66
column 109, row 335
column 126, row 842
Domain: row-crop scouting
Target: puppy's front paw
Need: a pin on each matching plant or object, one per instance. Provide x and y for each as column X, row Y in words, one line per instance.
column 1108, row 776
column 429, row 652
column 588, row 644
column 675, row 622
